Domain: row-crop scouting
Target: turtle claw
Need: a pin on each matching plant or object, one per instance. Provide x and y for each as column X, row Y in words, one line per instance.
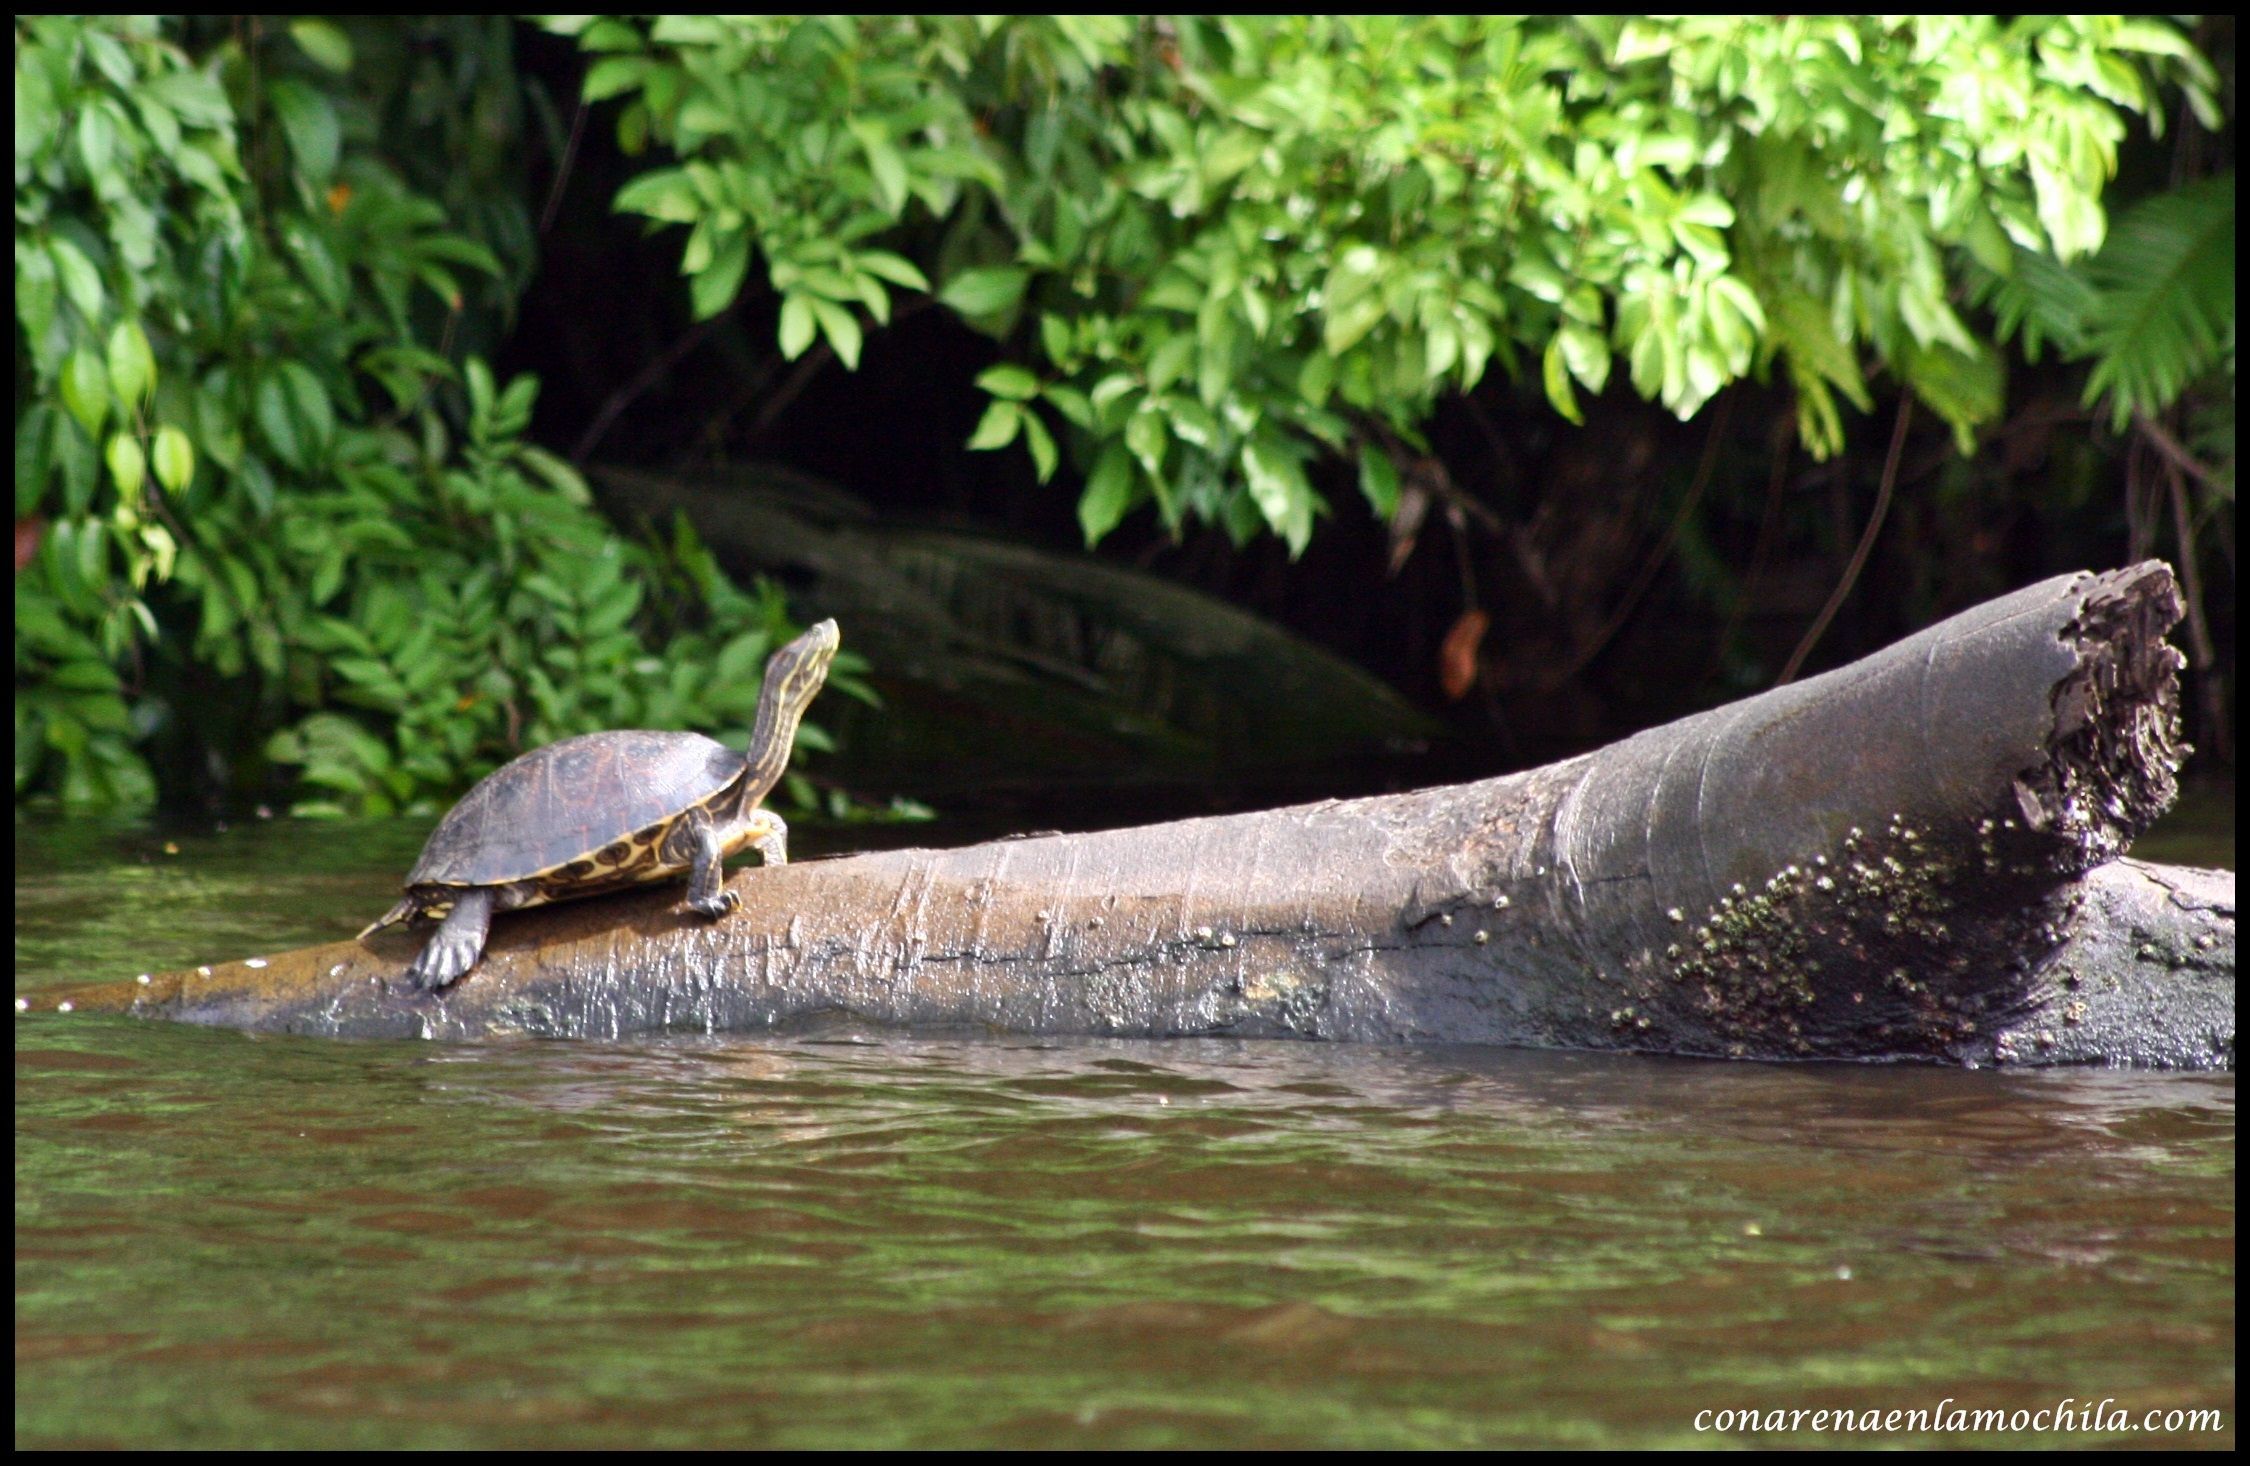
column 719, row 905
column 441, row 964
column 455, row 946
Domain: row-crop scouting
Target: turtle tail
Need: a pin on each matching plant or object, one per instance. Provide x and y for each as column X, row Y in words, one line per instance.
column 405, row 908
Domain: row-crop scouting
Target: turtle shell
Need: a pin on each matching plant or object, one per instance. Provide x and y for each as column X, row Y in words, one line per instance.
column 600, row 799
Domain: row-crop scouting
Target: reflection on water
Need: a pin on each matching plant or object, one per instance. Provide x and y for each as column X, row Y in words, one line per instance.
column 855, row 1238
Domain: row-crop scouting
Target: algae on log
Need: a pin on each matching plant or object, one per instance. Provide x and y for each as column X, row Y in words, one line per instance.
column 1913, row 856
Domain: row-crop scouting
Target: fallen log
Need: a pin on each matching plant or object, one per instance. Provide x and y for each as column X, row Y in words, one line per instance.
column 1913, row 857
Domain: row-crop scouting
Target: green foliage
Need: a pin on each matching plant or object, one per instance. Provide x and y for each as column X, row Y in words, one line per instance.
column 2153, row 310
column 486, row 619
column 1220, row 251
column 270, row 509
column 2163, row 298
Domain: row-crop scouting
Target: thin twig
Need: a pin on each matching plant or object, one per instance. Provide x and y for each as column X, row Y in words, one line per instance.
column 1663, row 550
column 2176, row 451
column 2215, row 729
column 1768, row 523
column 1436, row 479
column 808, row 367
column 562, row 169
column 644, row 379
column 745, row 392
column 1859, row 555
column 1503, row 458
column 2139, row 499
column 1459, row 524
column 798, row 380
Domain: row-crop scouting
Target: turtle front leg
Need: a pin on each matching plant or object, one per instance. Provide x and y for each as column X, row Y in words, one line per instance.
column 457, row 943
column 707, row 893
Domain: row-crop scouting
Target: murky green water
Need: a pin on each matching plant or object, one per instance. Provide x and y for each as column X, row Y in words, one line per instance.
column 854, row 1238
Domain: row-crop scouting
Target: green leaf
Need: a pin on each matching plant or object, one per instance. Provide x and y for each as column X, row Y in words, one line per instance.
column 1345, row 325
column 1278, row 487
column 1176, row 292
column 174, row 459
column 559, row 474
column 1071, row 403
column 1966, row 390
column 163, row 554
column 38, row 297
column 110, row 57
column 1194, row 424
column 871, row 293
column 1358, row 269
column 132, row 366
column 81, row 282
column 714, row 289
column 328, row 47
column 97, row 140
column 1555, row 374
column 195, row 97
column 1109, row 493
column 309, row 122
column 35, row 432
column 75, row 459
column 85, row 390
column 2165, row 298
column 1806, row 331
column 294, row 414
column 1146, row 434
column 1044, row 458
column 892, row 268
column 512, row 413
column 2041, row 302
column 595, row 32
column 481, row 392
column 85, row 676
column 1055, row 339
column 128, row 465
column 841, row 328
column 985, row 292
column 666, row 193
column 1586, row 353
column 1170, row 361
column 797, row 326
column 1378, row 480
column 1011, row 382
column 611, row 75
column 884, row 164
column 998, row 427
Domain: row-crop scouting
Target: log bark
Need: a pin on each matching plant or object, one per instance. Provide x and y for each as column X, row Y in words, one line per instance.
column 1912, row 857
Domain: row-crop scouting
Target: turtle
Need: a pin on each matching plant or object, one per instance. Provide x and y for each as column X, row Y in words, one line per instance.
column 606, row 810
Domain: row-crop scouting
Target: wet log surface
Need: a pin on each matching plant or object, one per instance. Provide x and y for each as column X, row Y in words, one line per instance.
column 1914, row 856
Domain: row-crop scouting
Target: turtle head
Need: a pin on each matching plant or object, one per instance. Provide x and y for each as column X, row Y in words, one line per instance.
column 820, row 640
column 793, row 678
column 797, row 671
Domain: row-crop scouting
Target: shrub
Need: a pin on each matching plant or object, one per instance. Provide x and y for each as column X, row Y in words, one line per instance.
column 258, row 494
column 1219, row 249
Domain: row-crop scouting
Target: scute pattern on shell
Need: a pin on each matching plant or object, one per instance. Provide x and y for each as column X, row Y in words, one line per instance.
column 573, row 802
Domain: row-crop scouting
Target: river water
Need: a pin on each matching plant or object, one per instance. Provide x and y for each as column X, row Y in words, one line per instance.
column 848, row 1237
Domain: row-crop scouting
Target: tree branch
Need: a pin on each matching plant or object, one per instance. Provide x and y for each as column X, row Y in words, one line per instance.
column 1859, row 555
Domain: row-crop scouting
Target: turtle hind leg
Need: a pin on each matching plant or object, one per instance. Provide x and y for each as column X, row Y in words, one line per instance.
column 457, row 943
column 773, row 844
